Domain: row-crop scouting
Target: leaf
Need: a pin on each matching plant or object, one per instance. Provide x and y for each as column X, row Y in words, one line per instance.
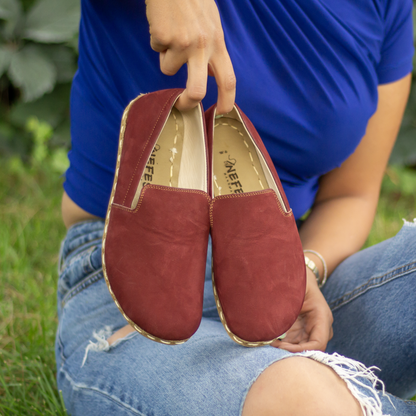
column 41, row 132
column 59, row 160
column 64, row 59
column 53, row 21
column 5, row 58
column 73, row 44
column 32, row 72
column 52, row 108
column 13, row 141
column 10, row 9
column 62, row 135
column 15, row 165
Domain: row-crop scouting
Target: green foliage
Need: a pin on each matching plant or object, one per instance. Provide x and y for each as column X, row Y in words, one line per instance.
column 30, row 389
column 37, row 63
column 400, row 181
column 26, row 59
column 404, row 152
column 38, row 42
column 397, row 203
column 41, row 152
column 33, row 72
column 51, row 21
column 29, row 243
column 41, row 132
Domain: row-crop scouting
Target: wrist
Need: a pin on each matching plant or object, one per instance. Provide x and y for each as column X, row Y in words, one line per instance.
column 311, row 281
column 317, row 265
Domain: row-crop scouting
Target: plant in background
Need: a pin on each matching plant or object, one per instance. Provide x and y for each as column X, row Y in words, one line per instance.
column 38, row 54
column 37, row 62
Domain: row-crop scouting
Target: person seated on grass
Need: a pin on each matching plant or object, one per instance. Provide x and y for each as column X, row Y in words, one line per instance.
column 326, row 84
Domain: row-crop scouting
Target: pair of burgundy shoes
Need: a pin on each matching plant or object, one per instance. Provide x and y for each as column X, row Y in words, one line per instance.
column 175, row 182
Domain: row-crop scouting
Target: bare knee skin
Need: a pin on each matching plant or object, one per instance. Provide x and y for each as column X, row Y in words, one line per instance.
column 121, row 333
column 299, row 386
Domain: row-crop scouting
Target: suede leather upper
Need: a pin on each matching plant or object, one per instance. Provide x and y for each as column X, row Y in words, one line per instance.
column 146, row 118
column 258, row 264
column 155, row 257
column 154, row 253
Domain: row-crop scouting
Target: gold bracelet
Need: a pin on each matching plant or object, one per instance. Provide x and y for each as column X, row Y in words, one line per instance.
column 325, row 278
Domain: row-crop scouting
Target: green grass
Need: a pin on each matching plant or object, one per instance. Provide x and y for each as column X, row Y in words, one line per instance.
column 397, row 203
column 30, row 234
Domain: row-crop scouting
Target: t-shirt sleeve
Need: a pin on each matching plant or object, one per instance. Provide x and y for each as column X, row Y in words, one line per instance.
column 397, row 49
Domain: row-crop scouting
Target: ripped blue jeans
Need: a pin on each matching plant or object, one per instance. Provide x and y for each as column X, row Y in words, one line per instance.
column 372, row 295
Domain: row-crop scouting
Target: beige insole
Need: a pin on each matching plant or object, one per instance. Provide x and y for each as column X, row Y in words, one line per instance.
column 236, row 166
column 163, row 165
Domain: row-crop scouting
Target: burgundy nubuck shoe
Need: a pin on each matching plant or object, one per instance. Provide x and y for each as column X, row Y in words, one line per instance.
column 259, row 275
column 157, row 225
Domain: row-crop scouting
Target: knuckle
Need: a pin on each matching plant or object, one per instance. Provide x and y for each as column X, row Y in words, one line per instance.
column 160, row 37
column 167, row 70
column 196, row 93
column 230, row 82
column 202, row 41
column 182, row 42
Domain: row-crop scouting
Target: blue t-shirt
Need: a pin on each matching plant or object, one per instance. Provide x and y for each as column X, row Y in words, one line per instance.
column 307, row 75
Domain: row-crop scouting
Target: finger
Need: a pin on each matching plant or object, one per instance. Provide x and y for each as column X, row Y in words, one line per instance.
column 156, row 45
column 304, row 346
column 196, row 85
column 210, row 71
column 171, row 61
column 293, row 338
column 317, row 340
column 226, row 82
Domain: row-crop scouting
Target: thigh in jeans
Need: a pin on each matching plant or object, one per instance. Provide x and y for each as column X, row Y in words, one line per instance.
column 208, row 375
column 87, row 313
column 373, row 298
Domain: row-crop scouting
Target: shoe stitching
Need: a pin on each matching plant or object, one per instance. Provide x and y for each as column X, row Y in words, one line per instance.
column 162, row 188
column 216, row 184
column 249, row 153
column 104, row 267
column 277, row 181
column 173, row 150
column 134, row 325
column 374, row 282
column 145, row 146
column 247, row 194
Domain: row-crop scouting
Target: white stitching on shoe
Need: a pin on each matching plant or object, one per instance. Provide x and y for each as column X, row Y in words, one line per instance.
column 173, row 150
column 248, row 149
